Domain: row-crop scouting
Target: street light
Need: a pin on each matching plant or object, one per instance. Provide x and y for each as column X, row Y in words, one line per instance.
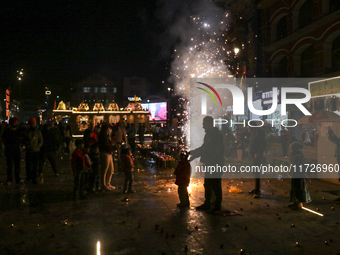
column 236, row 50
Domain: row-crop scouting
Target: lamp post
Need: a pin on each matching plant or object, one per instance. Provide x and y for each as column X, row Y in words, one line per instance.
column 20, row 75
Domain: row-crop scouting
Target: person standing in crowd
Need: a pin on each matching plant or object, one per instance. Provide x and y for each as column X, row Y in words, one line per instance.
column 88, row 167
column 211, row 153
column 94, row 175
column 67, row 139
column 47, row 151
column 34, row 140
column 2, row 128
column 336, row 140
column 128, row 167
column 256, row 148
column 183, row 173
column 284, row 141
column 79, row 163
column 299, row 192
column 120, row 138
column 141, row 133
column 56, row 134
column 11, row 137
column 121, row 133
column 61, row 132
column 89, row 140
column 106, row 149
column 131, row 132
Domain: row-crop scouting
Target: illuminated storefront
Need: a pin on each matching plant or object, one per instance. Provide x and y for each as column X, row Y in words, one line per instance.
column 82, row 117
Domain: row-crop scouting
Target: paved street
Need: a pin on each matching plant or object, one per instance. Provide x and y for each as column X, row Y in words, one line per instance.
column 43, row 219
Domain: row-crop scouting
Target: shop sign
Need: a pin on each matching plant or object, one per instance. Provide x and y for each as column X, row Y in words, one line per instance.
column 326, row 87
column 134, row 99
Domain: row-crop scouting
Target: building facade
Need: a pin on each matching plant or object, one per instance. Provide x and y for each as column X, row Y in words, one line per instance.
column 94, row 89
column 135, row 86
column 301, row 38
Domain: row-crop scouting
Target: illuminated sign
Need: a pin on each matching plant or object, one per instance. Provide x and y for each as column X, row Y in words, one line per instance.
column 8, row 96
column 135, row 98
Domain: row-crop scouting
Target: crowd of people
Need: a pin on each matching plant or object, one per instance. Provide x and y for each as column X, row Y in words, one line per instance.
column 37, row 144
column 92, row 159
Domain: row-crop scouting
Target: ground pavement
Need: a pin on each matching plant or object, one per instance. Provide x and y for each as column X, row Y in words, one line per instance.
column 43, row 219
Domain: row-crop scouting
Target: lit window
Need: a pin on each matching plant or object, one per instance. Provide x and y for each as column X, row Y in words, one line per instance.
column 86, row 89
column 103, row 90
column 95, row 89
column 114, row 90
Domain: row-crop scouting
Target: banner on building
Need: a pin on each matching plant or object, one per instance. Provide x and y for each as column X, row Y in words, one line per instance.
column 326, row 87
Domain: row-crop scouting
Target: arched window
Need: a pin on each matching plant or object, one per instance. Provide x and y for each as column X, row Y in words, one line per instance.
column 282, row 69
column 305, row 14
column 336, row 54
column 281, row 28
column 307, row 62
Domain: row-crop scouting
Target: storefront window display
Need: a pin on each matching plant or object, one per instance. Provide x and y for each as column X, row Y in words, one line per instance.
column 98, row 119
column 82, row 122
column 114, row 119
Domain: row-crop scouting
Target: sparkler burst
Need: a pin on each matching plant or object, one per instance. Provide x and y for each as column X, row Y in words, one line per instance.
column 201, row 54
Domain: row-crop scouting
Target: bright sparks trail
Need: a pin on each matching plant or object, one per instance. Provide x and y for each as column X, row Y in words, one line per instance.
column 309, row 210
column 202, row 53
column 98, row 248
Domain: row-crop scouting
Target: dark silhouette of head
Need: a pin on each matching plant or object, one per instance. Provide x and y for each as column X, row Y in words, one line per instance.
column 208, row 122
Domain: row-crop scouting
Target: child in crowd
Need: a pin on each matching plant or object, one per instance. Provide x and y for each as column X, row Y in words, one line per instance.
column 79, row 162
column 183, row 173
column 94, row 176
column 128, row 167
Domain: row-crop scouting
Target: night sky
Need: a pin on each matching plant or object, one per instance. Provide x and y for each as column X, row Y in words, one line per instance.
column 64, row 43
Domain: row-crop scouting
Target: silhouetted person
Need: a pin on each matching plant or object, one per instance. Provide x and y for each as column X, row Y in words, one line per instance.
column 34, row 141
column 299, row 192
column 47, row 151
column 11, row 137
column 141, row 133
column 336, row 140
column 183, row 173
column 128, row 167
column 131, row 132
column 67, row 138
column 79, row 163
column 211, row 153
column 257, row 145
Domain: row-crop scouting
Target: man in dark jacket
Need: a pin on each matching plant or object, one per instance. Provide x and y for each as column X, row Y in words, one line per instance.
column 256, row 148
column 47, row 151
column 211, row 153
column 11, row 137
